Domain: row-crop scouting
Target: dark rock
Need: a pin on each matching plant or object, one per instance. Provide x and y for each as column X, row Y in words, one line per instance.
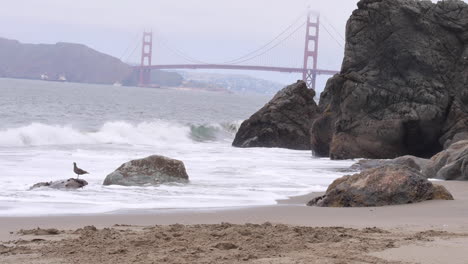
column 441, row 193
column 409, row 161
column 458, row 137
column 225, row 246
column 283, row 123
column 153, row 170
column 39, row 232
column 71, row 183
column 387, row 185
column 402, row 89
column 450, row 164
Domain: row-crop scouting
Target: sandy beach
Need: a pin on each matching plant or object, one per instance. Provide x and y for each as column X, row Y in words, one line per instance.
column 428, row 232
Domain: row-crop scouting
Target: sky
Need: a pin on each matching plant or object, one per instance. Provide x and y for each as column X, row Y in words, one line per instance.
column 213, row 31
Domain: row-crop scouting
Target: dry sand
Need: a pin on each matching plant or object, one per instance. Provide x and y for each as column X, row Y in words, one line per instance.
column 429, row 232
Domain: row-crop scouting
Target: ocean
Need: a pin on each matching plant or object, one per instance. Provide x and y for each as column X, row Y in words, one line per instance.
column 46, row 126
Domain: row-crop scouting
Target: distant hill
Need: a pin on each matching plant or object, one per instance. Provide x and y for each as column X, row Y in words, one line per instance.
column 78, row 63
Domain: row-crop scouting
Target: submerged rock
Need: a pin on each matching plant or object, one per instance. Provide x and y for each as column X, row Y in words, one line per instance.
column 71, row 183
column 402, row 89
column 450, row 164
column 284, row 122
column 387, row 185
column 152, row 170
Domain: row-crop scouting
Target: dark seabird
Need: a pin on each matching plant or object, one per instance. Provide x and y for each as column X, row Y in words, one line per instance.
column 78, row 171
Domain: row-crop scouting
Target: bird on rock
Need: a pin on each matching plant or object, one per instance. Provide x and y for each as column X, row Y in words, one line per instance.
column 78, row 171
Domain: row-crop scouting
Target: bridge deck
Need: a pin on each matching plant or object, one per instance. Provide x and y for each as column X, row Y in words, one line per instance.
column 234, row 67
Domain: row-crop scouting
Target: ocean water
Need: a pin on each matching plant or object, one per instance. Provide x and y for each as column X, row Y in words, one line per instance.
column 46, row 126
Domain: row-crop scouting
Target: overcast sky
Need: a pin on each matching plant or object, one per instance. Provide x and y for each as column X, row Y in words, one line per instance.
column 209, row 30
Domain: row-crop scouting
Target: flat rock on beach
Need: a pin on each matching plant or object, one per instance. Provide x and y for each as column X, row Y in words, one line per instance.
column 69, row 184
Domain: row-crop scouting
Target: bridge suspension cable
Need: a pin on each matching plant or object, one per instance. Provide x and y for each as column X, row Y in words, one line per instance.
column 272, row 47
column 334, row 28
column 133, row 52
column 331, row 35
column 135, row 42
column 179, row 52
column 247, row 57
column 233, row 61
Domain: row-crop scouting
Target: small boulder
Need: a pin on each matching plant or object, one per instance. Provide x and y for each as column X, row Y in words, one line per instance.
column 450, row 164
column 408, row 160
column 71, row 183
column 441, row 193
column 387, row 185
column 284, row 122
column 152, row 170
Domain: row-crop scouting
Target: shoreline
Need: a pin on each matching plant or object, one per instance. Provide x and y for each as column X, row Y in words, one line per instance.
column 449, row 216
column 410, row 233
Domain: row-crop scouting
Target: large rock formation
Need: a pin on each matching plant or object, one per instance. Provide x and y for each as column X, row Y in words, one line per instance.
column 283, row 123
column 403, row 86
column 69, row 184
column 387, row 185
column 450, row 164
column 152, row 170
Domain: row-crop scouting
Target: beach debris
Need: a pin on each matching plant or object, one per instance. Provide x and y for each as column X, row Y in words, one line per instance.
column 150, row 171
column 284, row 122
column 226, row 246
column 69, row 184
column 39, row 232
column 78, row 171
column 387, row 185
column 85, row 230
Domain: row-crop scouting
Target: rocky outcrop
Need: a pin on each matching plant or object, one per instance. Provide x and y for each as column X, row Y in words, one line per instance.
column 410, row 161
column 153, row 170
column 450, row 164
column 388, row 185
column 402, row 89
column 69, row 184
column 282, row 123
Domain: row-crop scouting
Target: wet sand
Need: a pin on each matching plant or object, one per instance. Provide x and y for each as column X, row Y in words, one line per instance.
column 444, row 225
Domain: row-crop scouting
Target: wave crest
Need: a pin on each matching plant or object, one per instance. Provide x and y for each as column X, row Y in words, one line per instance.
column 118, row 132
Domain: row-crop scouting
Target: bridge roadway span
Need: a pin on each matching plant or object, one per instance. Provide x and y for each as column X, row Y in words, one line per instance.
column 235, row 67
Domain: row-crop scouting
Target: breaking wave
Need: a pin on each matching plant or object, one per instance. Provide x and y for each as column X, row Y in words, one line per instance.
column 118, row 132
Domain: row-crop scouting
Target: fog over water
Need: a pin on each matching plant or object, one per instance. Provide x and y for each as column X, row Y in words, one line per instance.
column 209, row 30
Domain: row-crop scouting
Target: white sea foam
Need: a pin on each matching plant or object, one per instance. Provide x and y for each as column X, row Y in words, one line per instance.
column 118, row 132
column 220, row 177
column 183, row 125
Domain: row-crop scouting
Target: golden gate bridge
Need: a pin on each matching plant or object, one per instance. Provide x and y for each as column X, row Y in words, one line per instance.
column 309, row 69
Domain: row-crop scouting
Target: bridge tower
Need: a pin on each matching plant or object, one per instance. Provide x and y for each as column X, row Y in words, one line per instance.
column 146, row 55
column 309, row 74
